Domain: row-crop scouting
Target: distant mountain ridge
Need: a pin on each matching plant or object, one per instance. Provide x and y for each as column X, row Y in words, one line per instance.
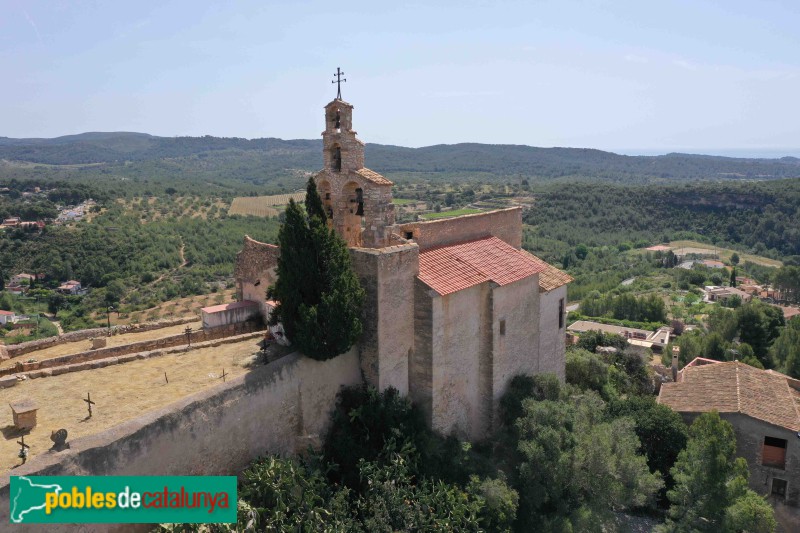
column 468, row 159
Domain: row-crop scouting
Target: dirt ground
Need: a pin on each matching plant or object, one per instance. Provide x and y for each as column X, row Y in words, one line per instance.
column 121, row 392
column 84, row 345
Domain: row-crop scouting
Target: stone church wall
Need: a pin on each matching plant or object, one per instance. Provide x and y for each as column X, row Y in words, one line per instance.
column 505, row 224
column 552, row 340
column 460, row 324
column 255, row 271
column 388, row 276
column 277, row 408
column 515, row 327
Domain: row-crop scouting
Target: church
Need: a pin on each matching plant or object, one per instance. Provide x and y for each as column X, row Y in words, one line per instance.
column 454, row 307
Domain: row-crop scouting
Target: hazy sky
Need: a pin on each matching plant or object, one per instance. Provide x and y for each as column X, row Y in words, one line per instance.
column 638, row 75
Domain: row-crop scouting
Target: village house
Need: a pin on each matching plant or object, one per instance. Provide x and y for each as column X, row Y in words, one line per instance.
column 12, row 222
column 722, row 294
column 70, row 287
column 764, row 408
column 22, row 279
column 7, row 317
column 642, row 338
column 455, row 308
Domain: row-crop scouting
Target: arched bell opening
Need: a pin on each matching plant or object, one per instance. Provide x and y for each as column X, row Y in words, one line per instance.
column 354, row 222
column 336, row 158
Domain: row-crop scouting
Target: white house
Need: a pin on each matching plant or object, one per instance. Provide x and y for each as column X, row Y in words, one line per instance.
column 7, row 317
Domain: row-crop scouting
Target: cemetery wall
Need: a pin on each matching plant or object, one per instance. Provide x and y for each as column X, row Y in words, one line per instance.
column 22, row 348
column 197, row 336
column 277, row 408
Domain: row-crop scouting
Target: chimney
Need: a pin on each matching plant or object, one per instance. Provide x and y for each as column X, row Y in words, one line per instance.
column 676, row 351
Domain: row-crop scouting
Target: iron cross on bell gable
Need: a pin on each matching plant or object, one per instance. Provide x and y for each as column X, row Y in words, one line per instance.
column 338, row 81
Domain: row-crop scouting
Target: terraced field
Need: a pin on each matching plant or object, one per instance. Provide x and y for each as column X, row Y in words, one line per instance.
column 262, row 206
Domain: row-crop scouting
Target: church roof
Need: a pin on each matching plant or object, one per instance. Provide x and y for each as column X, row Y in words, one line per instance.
column 449, row 269
column 550, row 278
column 374, row 177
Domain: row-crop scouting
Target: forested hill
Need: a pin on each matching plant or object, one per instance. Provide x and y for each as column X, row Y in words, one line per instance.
column 466, row 160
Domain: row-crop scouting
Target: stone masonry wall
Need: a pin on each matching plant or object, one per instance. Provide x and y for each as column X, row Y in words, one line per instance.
column 197, row 336
column 457, row 350
column 505, row 224
column 255, row 271
column 277, row 408
column 22, row 348
column 388, row 276
column 515, row 328
column 420, row 371
column 552, row 340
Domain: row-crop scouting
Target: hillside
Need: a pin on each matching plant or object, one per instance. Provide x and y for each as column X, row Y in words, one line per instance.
column 260, row 162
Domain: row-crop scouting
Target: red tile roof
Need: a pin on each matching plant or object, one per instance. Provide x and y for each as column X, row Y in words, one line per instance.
column 448, row 269
column 6, row 313
column 734, row 387
column 373, row 176
column 226, row 307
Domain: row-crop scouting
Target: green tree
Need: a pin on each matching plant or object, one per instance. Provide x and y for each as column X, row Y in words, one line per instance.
column 733, row 277
column 319, row 295
column 575, row 467
column 710, row 492
column 661, row 431
column 759, row 324
column 785, row 351
column 314, row 206
column 735, row 259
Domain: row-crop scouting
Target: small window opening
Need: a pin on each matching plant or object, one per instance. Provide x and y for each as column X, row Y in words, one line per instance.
column 503, row 327
column 779, row 487
column 337, row 159
column 409, row 235
column 773, row 452
column 561, row 313
column 360, row 201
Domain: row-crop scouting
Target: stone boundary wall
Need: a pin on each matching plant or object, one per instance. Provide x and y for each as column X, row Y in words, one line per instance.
column 198, row 336
column 22, row 348
column 505, row 224
column 277, row 408
column 10, row 381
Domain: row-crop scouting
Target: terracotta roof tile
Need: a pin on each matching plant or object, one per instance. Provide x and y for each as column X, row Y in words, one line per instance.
column 550, row 278
column 448, row 269
column 373, row 176
column 734, row 387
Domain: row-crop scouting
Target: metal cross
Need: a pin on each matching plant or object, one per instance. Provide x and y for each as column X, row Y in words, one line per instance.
column 89, row 403
column 338, row 81
column 23, row 452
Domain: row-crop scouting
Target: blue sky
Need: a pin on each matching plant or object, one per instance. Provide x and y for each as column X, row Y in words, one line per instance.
column 627, row 76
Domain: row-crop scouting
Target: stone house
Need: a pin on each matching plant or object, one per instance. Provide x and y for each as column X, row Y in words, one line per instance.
column 764, row 408
column 454, row 309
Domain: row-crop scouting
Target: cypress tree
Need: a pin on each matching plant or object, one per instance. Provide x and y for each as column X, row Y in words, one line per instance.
column 319, row 295
column 733, row 277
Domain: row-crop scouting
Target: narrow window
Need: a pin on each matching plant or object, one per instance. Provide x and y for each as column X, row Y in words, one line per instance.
column 409, row 235
column 337, row 159
column 561, row 313
column 360, row 201
column 503, row 327
column 773, row 452
column 779, row 487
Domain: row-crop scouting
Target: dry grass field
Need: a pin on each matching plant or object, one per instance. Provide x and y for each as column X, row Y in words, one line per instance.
column 262, row 206
column 121, row 392
column 682, row 247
